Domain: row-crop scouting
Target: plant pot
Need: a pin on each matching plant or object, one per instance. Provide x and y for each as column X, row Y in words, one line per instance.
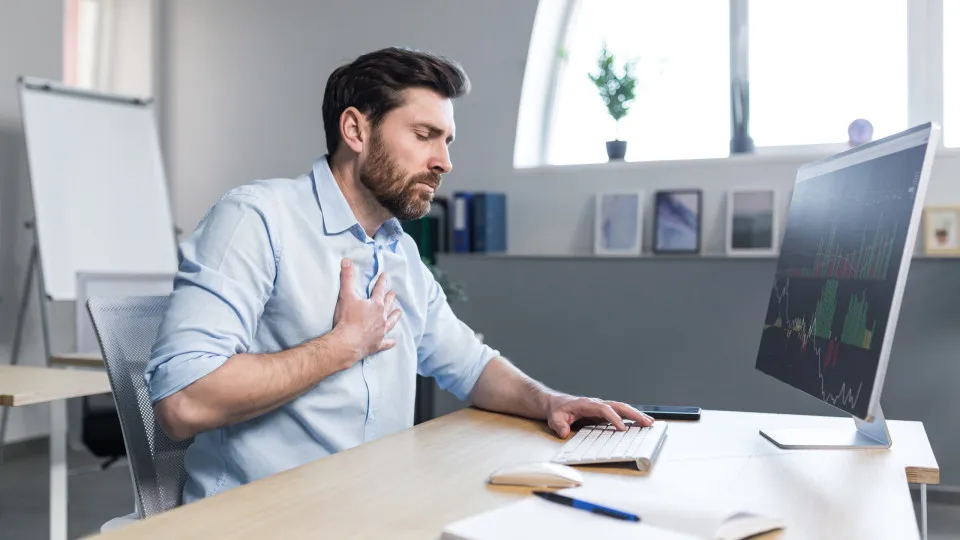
column 616, row 150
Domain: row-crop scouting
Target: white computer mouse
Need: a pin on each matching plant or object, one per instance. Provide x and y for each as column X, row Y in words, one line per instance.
column 537, row 474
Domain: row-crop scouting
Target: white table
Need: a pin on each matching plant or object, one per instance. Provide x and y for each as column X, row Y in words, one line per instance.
column 410, row 484
column 29, row 385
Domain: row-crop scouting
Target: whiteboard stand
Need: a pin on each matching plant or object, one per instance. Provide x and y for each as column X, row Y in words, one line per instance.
column 32, row 266
column 109, row 212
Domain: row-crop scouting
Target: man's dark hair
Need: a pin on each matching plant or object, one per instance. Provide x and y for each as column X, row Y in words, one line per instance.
column 374, row 81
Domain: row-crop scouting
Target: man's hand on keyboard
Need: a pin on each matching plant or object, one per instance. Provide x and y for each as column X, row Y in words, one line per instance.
column 565, row 410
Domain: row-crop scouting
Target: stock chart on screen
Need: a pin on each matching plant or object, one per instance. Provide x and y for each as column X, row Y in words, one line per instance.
column 831, row 299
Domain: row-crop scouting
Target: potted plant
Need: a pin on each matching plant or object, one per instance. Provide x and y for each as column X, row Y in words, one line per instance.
column 617, row 89
column 453, row 289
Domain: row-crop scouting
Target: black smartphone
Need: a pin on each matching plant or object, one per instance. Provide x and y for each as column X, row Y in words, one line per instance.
column 670, row 412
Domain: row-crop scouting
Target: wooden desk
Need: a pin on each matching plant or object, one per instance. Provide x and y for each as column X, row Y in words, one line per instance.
column 84, row 360
column 410, row 484
column 29, row 385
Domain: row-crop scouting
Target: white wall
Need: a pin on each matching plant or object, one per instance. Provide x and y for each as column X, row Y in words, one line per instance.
column 31, row 43
column 245, row 81
column 245, row 78
column 129, row 38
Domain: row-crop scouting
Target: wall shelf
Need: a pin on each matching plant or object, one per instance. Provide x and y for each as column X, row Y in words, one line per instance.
column 644, row 257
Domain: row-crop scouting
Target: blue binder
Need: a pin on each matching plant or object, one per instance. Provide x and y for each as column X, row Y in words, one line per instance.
column 489, row 213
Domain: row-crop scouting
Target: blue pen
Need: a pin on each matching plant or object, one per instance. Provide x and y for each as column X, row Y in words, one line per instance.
column 584, row 505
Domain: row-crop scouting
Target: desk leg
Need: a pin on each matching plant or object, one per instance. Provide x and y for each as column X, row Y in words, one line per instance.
column 923, row 511
column 58, row 469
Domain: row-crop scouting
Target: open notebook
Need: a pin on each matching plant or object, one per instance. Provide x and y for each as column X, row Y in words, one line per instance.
column 534, row 517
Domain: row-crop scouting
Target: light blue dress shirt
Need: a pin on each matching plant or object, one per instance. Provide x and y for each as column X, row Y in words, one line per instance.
column 260, row 274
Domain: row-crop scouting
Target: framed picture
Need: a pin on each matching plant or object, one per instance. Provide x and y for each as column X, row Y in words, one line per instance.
column 941, row 226
column 677, row 221
column 752, row 221
column 618, row 226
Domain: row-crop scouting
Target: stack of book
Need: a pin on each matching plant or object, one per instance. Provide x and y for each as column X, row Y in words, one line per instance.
column 475, row 222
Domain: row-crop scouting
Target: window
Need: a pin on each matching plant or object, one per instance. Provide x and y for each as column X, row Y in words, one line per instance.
column 82, row 48
column 682, row 100
column 951, row 73
column 816, row 65
column 811, row 66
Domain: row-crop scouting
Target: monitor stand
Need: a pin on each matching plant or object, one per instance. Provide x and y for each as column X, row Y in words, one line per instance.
column 862, row 435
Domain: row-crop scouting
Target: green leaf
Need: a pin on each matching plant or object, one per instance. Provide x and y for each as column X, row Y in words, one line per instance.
column 616, row 90
column 454, row 290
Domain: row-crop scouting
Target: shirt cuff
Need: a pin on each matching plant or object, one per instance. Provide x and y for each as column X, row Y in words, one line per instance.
column 464, row 385
column 179, row 372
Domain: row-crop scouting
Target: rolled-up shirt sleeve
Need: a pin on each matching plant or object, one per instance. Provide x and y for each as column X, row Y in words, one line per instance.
column 449, row 350
column 226, row 274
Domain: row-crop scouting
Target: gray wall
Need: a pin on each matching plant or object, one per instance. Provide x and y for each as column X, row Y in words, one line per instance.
column 244, row 81
column 243, row 86
column 31, row 43
column 686, row 331
column 129, row 68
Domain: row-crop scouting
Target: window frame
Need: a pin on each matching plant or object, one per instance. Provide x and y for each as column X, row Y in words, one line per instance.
column 925, row 93
column 100, row 41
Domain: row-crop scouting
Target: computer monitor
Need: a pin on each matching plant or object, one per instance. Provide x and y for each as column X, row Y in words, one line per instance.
column 835, row 296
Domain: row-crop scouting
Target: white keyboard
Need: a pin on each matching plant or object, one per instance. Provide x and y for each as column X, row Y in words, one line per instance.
column 602, row 443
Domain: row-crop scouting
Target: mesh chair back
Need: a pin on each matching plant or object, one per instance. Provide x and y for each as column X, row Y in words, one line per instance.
column 126, row 328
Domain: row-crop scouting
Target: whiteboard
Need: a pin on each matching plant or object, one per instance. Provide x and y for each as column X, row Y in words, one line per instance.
column 100, row 196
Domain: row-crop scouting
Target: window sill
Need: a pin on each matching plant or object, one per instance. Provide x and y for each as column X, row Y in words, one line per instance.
column 785, row 155
column 646, row 256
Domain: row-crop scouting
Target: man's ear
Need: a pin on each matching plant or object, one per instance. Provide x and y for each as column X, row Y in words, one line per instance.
column 354, row 129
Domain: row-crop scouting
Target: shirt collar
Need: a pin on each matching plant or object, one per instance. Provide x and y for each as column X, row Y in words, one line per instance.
column 337, row 214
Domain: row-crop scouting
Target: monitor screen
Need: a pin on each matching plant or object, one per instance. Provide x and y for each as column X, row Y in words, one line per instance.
column 841, row 270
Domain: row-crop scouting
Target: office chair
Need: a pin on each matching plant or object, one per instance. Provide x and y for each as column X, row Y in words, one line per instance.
column 96, row 417
column 126, row 327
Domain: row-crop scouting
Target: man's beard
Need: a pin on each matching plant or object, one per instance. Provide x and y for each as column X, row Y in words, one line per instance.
column 398, row 194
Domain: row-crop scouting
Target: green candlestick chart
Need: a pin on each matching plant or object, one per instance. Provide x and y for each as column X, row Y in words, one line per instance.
column 870, row 261
column 854, row 331
column 826, row 307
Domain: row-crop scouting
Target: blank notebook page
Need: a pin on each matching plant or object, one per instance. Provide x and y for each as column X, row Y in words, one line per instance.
column 536, row 518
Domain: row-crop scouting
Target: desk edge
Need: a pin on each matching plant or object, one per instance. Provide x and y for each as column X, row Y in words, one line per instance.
column 75, row 362
column 923, row 475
